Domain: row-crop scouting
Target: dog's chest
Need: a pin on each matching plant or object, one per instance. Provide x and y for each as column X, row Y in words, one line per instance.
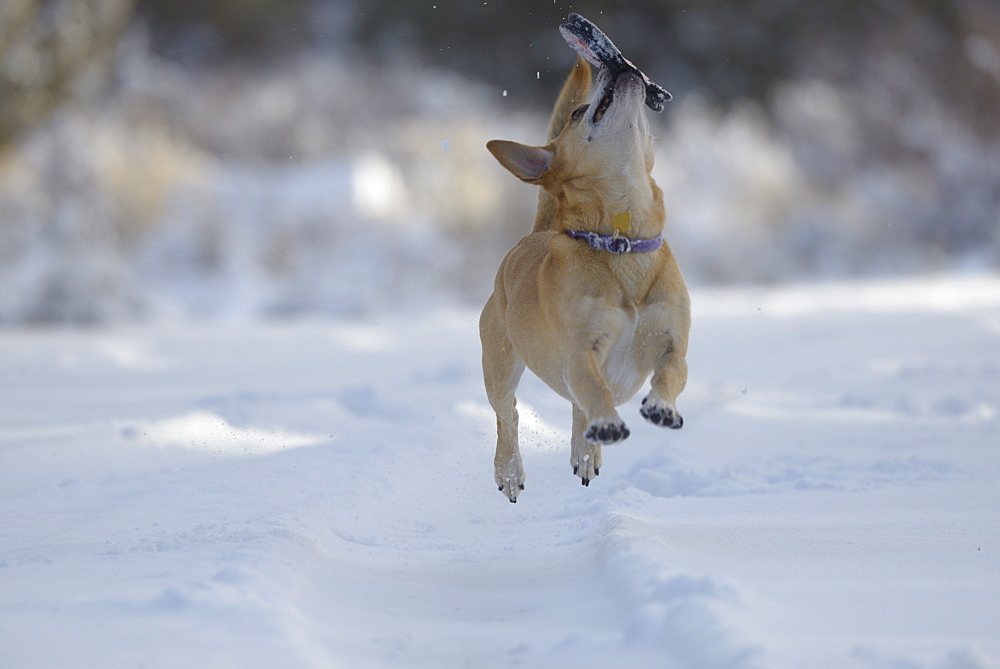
column 624, row 369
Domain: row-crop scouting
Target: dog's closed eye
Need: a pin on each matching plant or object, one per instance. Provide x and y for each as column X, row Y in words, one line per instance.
column 578, row 112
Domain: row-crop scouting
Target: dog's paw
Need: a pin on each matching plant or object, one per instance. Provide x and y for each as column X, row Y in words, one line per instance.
column 588, row 467
column 606, row 431
column 659, row 412
column 510, row 481
column 511, row 488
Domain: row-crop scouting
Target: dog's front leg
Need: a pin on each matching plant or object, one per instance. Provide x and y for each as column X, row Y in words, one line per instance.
column 585, row 457
column 659, row 406
column 589, row 389
column 669, row 375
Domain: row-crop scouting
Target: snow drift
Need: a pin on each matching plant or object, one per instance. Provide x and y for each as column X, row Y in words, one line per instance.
column 319, row 493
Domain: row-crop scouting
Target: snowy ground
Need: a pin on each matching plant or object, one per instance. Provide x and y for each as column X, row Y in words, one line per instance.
column 320, row 493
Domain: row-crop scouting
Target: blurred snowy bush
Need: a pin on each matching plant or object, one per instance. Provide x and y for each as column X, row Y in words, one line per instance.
column 315, row 185
column 51, row 50
column 323, row 183
column 801, row 193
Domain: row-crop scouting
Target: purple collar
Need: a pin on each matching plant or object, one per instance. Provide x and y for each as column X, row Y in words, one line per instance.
column 616, row 243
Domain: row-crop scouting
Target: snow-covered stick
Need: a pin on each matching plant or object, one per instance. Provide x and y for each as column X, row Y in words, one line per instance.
column 594, row 46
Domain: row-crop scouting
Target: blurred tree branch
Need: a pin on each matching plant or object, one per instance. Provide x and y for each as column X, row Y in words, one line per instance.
column 45, row 47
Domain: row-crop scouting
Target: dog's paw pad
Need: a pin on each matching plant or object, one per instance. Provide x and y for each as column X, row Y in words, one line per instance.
column 661, row 414
column 601, row 432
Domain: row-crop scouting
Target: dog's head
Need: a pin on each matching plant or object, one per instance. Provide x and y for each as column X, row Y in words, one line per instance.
column 600, row 153
column 608, row 135
column 604, row 150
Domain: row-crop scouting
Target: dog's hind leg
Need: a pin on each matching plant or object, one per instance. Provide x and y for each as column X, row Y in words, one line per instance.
column 508, row 468
column 585, row 457
column 502, row 370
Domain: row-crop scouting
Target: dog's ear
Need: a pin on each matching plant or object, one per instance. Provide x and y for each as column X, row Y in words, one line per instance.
column 574, row 93
column 527, row 163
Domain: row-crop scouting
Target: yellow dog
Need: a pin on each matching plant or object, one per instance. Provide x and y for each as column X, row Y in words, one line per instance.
column 592, row 301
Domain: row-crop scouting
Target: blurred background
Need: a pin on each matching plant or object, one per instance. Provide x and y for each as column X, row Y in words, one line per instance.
column 275, row 158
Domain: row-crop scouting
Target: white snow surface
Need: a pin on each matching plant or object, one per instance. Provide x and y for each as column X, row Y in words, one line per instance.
column 319, row 493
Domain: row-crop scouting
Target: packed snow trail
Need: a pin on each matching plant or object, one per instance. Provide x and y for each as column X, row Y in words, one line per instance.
column 319, row 493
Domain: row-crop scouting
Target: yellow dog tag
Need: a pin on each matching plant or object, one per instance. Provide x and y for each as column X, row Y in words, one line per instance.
column 622, row 223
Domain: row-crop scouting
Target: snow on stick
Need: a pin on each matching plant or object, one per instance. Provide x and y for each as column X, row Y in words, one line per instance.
column 594, row 46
